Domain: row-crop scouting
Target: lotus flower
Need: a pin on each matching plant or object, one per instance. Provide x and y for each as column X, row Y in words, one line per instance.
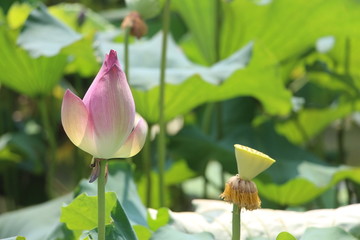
column 104, row 123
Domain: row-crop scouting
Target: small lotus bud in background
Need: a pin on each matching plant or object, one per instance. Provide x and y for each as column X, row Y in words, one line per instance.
column 146, row 8
column 81, row 18
column 135, row 23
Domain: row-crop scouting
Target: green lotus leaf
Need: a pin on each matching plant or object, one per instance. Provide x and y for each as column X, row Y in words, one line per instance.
column 25, row 74
column 189, row 85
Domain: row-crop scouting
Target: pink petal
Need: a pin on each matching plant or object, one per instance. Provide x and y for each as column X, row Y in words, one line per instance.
column 76, row 122
column 111, row 107
column 135, row 141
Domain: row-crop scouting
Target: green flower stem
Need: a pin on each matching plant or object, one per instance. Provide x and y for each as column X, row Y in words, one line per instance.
column 207, row 118
column 218, row 19
column 206, row 128
column 10, row 189
column 353, row 194
column 101, row 200
column 146, row 157
column 126, row 52
column 162, row 124
column 51, row 160
column 210, row 107
column 236, row 223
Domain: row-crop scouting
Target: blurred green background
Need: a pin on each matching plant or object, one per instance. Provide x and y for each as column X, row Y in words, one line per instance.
column 281, row 77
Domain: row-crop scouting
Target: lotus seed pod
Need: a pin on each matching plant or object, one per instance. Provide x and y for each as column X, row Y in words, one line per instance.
column 251, row 162
column 146, row 8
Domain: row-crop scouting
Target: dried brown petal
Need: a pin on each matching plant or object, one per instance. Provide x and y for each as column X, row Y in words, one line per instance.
column 95, row 165
column 241, row 192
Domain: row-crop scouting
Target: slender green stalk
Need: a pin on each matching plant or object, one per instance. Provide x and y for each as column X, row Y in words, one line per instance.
column 146, row 157
column 207, row 117
column 101, row 200
column 209, row 108
column 352, row 194
column 220, row 135
column 51, row 160
column 126, row 52
column 236, row 223
column 206, row 182
column 205, row 126
column 162, row 124
column 10, row 181
column 218, row 18
column 341, row 130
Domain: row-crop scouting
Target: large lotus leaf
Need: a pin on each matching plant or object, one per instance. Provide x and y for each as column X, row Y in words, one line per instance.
column 81, row 213
column 80, row 18
column 83, row 60
column 215, row 217
column 331, row 233
column 25, row 74
column 87, row 22
column 325, row 88
column 145, row 57
column 289, row 41
column 44, row 35
column 18, row 14
column 306, row 187
column 335, row 79
column 121, row 228
column 196, row 147
column 62, row 20
column 310, row 122
column 188, row 85
column 286, row 28
column 191, row 50
column 42, row 221
column 326, row 97
column 344, row 55
column 200, row 18
column 35, row 222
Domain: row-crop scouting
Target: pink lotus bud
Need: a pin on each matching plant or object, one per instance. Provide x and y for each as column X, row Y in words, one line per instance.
column 104, row 123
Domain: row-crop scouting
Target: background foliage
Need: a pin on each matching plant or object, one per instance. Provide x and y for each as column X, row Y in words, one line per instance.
column 281, row 77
